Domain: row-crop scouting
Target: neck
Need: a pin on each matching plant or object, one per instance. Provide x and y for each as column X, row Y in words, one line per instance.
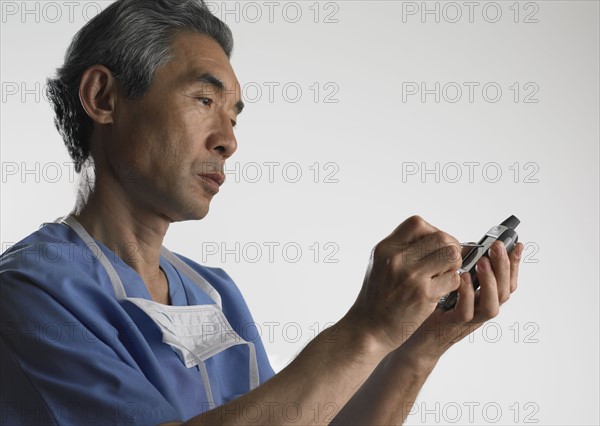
column 111, row 216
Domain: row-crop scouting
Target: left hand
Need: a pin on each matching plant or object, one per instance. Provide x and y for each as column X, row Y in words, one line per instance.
column 497, row 278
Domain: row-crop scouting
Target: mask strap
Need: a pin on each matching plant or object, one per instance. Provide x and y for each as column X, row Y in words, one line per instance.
column 205, row 381
column 253, row 367
column 179, row 264
column 198, row 279
column 118, row 288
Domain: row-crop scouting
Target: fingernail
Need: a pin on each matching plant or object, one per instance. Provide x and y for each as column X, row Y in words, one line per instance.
column 499, row 251
column 483, row 264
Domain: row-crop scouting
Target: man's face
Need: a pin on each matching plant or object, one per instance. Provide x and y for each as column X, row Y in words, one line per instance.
column 181, row 129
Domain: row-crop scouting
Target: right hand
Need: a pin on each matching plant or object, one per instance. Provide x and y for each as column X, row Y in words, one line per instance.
column 409, row 271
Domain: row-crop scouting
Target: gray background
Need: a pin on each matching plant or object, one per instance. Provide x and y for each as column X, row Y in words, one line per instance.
column 533, row 154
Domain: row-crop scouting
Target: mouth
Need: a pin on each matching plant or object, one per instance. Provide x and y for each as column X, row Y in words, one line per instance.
column 212, row 180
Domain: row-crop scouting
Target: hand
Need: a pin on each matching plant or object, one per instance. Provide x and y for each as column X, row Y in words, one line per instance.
column 408, row 273
column 498, row 280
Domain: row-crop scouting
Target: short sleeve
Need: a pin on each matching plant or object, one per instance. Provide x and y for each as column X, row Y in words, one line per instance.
column 69, row 354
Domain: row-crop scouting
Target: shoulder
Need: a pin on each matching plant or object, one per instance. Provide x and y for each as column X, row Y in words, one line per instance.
column 51, row 243
column 53, row 260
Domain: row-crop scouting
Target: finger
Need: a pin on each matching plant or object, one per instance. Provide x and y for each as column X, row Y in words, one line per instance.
column 501, row 267
column 434, row 254
column 441, row 266
column 515, row 261
column 431, row 243
column 465, row 306
column 412, row 229
column 443, row 260
column 445, row 283
column 465, row 250
column 487, row 306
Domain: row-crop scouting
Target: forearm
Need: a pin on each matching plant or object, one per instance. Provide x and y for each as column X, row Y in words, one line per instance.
column 408, row 273
column 311, row 389
column 390, row 392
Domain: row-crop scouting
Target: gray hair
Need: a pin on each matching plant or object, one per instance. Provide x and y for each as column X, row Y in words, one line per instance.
column 132, row 39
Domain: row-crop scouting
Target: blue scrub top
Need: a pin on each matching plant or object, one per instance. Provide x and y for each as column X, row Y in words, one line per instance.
column 71, row 353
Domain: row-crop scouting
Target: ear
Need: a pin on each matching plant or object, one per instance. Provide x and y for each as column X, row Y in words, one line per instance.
column 98, row 91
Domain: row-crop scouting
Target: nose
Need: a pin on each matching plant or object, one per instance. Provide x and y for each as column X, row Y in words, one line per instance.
column 224, row 140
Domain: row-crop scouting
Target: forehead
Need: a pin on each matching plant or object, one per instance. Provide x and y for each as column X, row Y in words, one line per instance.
column 195, row 55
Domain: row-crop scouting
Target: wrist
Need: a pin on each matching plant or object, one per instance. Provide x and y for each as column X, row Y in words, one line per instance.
column 420, row 358
column 368, row 337
column 384, row 337
column 424, row 349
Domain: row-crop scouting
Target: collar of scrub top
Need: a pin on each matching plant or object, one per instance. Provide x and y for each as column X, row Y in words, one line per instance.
column 117, row 284
column 199, row 280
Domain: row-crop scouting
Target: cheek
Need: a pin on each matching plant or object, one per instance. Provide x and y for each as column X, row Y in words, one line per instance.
column 188, row 132
column 160, row 142
column 154, row 138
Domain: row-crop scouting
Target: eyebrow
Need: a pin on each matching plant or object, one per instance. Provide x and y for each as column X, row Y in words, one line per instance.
column 214, row 81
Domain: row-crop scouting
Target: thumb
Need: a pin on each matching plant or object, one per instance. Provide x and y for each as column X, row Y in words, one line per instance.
column 447, row 282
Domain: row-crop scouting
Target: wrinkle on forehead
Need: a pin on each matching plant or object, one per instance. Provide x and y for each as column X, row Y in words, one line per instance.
column 194, row 51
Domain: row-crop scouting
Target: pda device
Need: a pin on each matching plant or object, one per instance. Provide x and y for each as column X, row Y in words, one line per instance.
column 504, row 232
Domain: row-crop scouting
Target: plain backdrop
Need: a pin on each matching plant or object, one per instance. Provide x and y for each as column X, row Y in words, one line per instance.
column 360, row 114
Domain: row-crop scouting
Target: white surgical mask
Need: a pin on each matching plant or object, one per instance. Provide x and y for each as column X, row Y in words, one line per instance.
column 196, row 332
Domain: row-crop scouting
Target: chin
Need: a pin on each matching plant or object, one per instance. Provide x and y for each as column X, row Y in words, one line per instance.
column 189, row 207
column 194, row 213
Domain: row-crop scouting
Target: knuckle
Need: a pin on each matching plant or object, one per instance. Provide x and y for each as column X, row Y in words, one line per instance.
column 415, row 221
column 453, row 254
column 418, row 223
column 439, row 238
column 490, row 312
column 408, row 276
column 514, row 266
column 464, row 316
column 380, row 250
column 444, row 240
column 503, row 264
column 503, row 296
column 448, row 239
column 447, row 249
column 383, row 251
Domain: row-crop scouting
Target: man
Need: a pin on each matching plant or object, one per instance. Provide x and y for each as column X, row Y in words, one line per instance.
column 100, row 325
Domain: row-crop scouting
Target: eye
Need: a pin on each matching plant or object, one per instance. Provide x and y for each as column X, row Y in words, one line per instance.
column 206, row 101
